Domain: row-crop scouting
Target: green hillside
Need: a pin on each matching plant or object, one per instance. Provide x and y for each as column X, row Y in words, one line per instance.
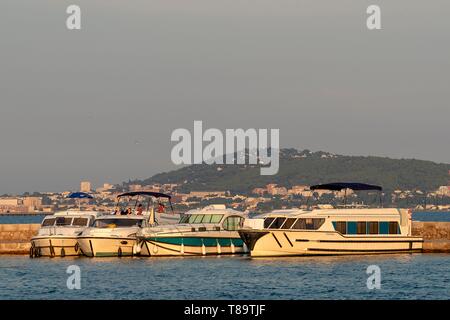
column 306, row 168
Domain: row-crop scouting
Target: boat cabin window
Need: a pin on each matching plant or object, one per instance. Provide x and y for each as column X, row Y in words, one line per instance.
column 198, row 218
column 118, row 223
column 233, row 223
column 372, row 227
column 299, row 224
column 308, row 223
column 340, row 226
column 293, row 223
column 393, row 228
column 201, row 218
column 367, row 227
column 277, row 223
column 268, row 222
column 361, row 227
column 289, row 222
column 184, row 219
column 63, row 221
column 82, row 222
column 216, row 218
column 207, row 218
column 48, row 222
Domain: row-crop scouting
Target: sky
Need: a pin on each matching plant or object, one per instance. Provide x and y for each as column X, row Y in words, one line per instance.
column 100, row 103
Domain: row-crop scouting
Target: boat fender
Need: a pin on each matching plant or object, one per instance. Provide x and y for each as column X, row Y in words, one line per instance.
column 31, row 252
column 77, row 247
column 63, row 252
column 136, row 248
column 119, row 252
column 203, row 248
column 233, row 249
column 182, row 248
column 219, row 249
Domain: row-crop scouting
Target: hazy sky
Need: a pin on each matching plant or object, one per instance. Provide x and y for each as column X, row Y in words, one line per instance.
column 101, row 103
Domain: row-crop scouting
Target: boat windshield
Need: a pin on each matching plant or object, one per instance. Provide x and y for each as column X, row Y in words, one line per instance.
column 201, row 218
column 65, row 221
column 118, row 223
column 48, row 222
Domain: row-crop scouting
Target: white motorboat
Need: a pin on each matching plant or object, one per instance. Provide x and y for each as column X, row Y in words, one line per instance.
column 115, row 234
column 58, row 233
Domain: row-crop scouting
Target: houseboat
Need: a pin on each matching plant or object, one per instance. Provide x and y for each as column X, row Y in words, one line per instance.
column 328, row 230
column 58, row 233
column 212, row 230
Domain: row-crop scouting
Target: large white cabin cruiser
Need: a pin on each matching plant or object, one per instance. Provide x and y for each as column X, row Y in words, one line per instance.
column 115, row 234
column 212, row 230
column 326, row 230
column 58, row 233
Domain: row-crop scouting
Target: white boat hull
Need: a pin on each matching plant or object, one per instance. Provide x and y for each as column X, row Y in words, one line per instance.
column 92, row 246
column 268, row 243
column 54, row 246
column 190, row 246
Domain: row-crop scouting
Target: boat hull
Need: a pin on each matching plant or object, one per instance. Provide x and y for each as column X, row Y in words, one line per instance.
column 106, row 247
column 269, row 243
column 190, row 246
column 54, row 246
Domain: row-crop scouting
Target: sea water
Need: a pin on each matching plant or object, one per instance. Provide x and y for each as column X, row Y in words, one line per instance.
column 403, row 276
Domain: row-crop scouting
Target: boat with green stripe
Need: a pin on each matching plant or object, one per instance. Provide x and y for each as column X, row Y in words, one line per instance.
column 212, row 230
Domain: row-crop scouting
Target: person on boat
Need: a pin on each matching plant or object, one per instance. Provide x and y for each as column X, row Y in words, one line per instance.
column 129, row 211
column 161, row 208
column 140, row 209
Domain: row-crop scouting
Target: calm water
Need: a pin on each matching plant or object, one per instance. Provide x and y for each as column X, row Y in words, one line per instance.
column 404, row 276
column 422, row 216
column 21, row 219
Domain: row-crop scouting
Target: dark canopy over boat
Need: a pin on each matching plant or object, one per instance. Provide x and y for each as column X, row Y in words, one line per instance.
column 80, row 195
column 338, row 186
column 144, row 193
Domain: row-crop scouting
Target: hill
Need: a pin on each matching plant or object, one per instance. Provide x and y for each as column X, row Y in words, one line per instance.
column 307, row 168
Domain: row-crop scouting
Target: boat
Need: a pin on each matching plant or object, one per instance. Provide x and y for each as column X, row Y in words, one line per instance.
column 115, row 234
column 330, row 230
column 58, row 233
column 212, row 230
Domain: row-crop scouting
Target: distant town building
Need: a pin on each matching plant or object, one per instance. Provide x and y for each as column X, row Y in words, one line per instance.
column 279, row 191
column 85, row 186
column 32, row 203
column 270, row 187
column 10, row 201
column 298, row 190
column 135, row 187
column 19, row 204
column 259, row 191
column 443, row 191
column 207, row 194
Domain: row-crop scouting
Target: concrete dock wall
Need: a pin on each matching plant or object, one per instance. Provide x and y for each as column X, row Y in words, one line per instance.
column 436, row 235
column 15, row 238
